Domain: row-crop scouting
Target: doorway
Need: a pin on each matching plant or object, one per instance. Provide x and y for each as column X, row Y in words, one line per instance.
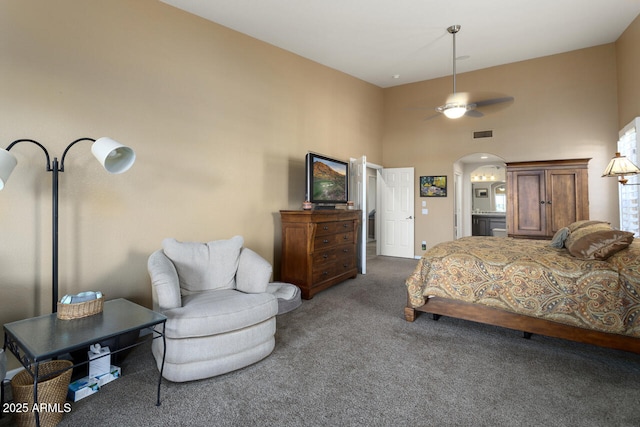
column 372, row 200
column 480, row 189
column 364, row 193
column 386, row 198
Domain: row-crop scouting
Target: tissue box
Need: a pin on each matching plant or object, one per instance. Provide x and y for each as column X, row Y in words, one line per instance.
column 99, row 363
column 82, row 388
column 114, row 373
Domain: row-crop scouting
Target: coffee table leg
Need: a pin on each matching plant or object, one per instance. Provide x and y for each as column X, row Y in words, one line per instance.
column 35, row 393
column 164, row 353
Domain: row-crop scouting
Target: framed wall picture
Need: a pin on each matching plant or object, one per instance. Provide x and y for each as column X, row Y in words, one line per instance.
column 482, row 192
column 433, row 186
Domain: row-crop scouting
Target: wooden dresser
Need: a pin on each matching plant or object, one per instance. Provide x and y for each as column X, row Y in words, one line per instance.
column 319, row 248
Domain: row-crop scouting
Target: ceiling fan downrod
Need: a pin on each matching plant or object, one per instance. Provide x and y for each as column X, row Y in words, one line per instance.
column 453, row 30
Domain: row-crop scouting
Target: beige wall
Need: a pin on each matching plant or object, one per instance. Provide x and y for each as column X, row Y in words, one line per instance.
column 220, row 123
column 628, row 56
column 565, row 107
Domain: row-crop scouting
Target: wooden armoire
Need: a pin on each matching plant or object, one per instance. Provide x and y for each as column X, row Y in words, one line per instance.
column 544, row 196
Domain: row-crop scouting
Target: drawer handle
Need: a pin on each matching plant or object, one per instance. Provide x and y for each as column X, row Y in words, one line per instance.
column 325, row 256
column 345, row 225
column 325, row 227
column 345, row 250
column 346, row 237
column 325, row 273
column 325, row 241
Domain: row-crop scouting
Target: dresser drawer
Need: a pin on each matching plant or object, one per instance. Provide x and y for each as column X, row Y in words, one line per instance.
column 330, row 270
column 323, row 257
column 326, row 228
column 328, row 241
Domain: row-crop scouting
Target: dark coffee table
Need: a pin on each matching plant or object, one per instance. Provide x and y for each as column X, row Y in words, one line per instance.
column 42, row 338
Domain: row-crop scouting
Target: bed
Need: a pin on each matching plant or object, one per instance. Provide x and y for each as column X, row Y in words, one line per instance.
column 585, row 288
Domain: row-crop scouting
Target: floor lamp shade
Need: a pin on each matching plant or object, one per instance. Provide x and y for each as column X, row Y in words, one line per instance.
column 114, row 157
column 7, row 162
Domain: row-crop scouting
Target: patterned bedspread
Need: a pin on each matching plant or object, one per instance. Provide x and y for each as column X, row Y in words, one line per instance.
column 530, row 277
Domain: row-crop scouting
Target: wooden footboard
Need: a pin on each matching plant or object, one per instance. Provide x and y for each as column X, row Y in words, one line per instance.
column 526, row 324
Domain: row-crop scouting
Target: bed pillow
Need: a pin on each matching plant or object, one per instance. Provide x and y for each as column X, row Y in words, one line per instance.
column 559, row 238
column 586, row 223
column 594, row 242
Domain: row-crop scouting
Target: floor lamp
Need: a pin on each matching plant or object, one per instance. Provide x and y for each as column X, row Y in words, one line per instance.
column 113, row 156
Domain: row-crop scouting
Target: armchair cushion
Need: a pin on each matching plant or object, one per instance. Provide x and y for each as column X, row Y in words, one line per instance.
column 218, row 312
column 204, row 266
column 254, row 272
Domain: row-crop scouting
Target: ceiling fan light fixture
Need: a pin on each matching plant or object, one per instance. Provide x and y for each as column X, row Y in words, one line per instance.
column 454, row 111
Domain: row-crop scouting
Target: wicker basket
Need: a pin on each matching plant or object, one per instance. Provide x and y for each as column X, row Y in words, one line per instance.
column 52, row 392
column 81, row 309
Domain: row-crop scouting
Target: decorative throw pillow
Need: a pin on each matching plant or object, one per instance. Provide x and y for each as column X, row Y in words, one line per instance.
column 254, row 272
column 559, row 238
column 204, row 266
column 597, row 243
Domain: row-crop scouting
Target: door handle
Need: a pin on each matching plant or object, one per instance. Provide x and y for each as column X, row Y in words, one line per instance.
column 410, row 217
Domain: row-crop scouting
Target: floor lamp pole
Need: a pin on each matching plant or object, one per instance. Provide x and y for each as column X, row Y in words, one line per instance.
column 54, row 236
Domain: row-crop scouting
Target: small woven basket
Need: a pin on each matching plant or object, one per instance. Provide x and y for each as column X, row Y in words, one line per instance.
column 80, row 309
column 52, row 394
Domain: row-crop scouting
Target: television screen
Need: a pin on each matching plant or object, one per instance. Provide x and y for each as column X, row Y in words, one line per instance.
column 327, row 180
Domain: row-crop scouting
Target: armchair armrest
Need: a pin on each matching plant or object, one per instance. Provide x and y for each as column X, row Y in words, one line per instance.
column 254, row 272
column 164, row 278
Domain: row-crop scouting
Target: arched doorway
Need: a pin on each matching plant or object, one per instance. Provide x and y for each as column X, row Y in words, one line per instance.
column 480, row 190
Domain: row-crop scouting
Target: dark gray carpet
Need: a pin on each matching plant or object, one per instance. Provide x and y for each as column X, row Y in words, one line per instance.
column 348, row 357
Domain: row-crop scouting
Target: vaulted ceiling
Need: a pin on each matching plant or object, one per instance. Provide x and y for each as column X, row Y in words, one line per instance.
column 389, row 43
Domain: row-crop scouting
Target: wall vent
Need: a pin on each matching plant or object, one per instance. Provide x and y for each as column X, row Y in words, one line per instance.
column 483, row 134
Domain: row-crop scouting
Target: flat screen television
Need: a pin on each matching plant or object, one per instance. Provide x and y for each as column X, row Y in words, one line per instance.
column 327, row 181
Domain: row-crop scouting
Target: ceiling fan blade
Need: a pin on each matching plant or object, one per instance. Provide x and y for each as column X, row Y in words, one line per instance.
column 473, row 113
column 494, row 101
column 433, row 116
column 419, row 108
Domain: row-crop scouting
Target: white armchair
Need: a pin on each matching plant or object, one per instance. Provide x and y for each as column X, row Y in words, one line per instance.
column 220, row 316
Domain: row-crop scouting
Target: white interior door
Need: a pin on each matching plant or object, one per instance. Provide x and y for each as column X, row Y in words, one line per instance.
column 397, row 209
column 359, row 175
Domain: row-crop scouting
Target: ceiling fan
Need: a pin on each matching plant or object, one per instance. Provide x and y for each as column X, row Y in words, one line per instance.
column 460, row 104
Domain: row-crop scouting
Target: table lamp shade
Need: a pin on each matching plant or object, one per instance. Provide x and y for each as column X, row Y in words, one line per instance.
column 114, row 157
column 7, row 163
column 620, row 165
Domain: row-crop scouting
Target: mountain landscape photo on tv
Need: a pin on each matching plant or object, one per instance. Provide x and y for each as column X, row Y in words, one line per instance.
column 327, row 179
